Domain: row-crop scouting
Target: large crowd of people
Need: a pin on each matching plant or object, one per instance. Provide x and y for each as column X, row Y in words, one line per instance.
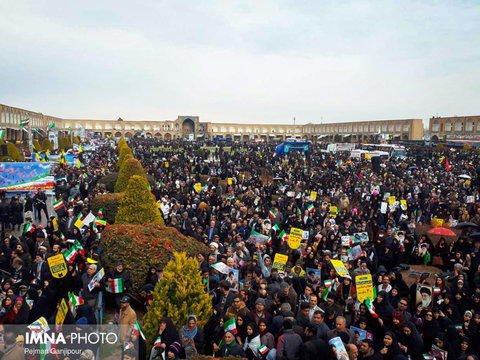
column 374, row 219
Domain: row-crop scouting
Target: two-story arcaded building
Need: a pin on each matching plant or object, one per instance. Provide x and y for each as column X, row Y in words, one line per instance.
column 455, row 128
column 186, row 126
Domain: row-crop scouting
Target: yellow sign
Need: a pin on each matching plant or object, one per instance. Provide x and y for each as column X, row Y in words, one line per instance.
column 313, row 194
column 436, row 222
column 229, row 181
column 57, row 265
column 279, row 262
column 295, row 238
column 468, row 182
column 391, row 200
column 364, row 286
column 61, row 313
column 403, row 204
column 333, row 211
column 167, row 164
column 78, row 223
column 198, row 187
column 340, row 268
column 55, row 224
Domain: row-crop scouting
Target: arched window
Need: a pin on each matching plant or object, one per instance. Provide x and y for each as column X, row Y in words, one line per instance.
column 448, row 125
column 459, row 126
column 469, row 125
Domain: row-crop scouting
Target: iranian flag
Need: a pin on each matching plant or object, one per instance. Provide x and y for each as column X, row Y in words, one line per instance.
column 29, row 228
column 138, row 330
column 325, row 293
column 299, row 213
column 230, row 326
column 24, row 122
column 272, row 213
column 276, row 227
column 58, row 204
column 436, row 290
column 263, row 349
column 283, row 235
column 310, row 208
column 269, row 241
column 115, row 286
column 459, row 327
column 78, row 247
column 70, row 254
column 99, row 222
column 63, row 237
column 157, row 342
column 328, row 283
column 2, row 133
column 371, row 308
column 74, row 301
column 100, row 212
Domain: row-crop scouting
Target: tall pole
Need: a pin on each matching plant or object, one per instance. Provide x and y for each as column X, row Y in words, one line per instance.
column 71, row 136
column 294, row 129
column 30, row 142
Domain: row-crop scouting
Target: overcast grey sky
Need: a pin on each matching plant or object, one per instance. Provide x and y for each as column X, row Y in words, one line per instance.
column 241, row 61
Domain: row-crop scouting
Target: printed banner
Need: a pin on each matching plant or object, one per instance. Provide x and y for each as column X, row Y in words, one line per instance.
column 96, row 279
column 61, row 313
column 280, row 261
column 25, row 176
column 58, row 266
column 295, row 238
column 340, row 268
column 364, row 285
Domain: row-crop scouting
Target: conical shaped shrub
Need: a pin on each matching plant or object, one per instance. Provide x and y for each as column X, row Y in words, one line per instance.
column 179, row 293
column 129, row 168
column 138, row 205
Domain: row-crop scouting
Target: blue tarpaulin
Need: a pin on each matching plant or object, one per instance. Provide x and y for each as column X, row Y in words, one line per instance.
column 285, row 147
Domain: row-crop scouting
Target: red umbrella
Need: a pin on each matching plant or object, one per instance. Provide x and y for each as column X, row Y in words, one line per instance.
column 441, row 231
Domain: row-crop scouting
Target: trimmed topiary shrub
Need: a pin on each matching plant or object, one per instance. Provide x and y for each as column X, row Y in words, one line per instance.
column 179, row 293
column 124, row 150
column 121, row 142
column 139, row 246
column 110, row 180
column 109, row 203
column 14, row 153
column 138, row 205
column 36, row 145
column 129, row 168
column 47, row 144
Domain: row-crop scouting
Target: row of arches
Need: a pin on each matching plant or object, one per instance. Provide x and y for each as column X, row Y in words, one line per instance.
column 455, row 125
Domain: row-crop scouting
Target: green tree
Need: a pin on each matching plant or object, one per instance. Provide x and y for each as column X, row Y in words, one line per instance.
column 129, row 168
column 47, row 144
column 121, row 142
column 179, row 294
column 14, row 153
column 138, row 205
column 124, row 150
column 36, row 145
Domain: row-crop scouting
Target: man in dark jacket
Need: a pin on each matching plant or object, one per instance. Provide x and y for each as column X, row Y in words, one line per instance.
column 119, row 273
column 40, row 201
column 313, row 345
column 289, row 344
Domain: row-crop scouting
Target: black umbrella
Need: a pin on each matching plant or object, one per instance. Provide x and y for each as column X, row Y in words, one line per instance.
column 466, row 224
column 475, row 235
